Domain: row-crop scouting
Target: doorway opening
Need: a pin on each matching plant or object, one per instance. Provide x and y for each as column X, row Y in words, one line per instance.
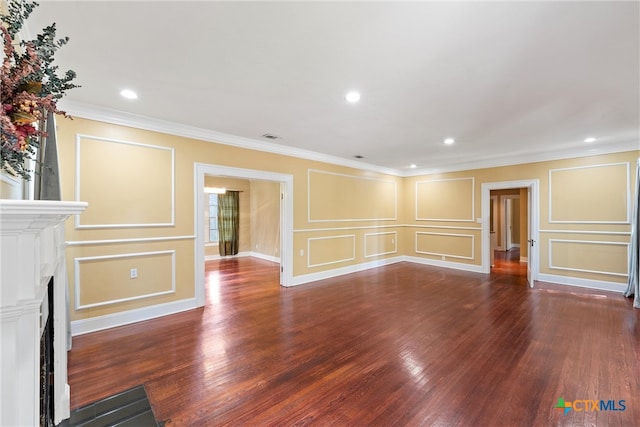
column 509, row 237
column 509, row 231
column 285, row 218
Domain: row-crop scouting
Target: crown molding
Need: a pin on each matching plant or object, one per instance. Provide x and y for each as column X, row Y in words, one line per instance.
column 533, row 157
column 117, row 117
column 102, row 114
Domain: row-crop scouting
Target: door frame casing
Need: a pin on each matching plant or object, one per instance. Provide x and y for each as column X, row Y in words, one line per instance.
column 286, row 219
column 533, row 185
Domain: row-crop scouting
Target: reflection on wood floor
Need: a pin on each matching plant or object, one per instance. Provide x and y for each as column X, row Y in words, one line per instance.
column 400, row 345
column 508, row 263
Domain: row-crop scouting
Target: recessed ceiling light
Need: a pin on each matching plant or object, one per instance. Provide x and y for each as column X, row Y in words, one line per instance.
column 449, row 141
column 352, row 96
column 590, row 139
column 129, row 94
column 358, row 156
column 413, row 166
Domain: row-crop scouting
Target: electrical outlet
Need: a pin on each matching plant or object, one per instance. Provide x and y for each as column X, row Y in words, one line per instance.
column 133, row 273
column 301, row 252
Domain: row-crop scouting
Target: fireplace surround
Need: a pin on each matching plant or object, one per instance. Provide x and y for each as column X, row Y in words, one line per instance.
column 32, row 254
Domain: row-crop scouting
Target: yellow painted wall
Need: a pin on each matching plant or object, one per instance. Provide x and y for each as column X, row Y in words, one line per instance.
column 101, row 286
column 343, row 208
column 10, row 187
column 515, row 221
column 440, row 214
column 136, row 170
column 265, row 218
column 577, row 229
column 143, row 184
column 345, row 197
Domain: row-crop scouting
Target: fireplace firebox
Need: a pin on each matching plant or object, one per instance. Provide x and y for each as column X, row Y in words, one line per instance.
column 46, row 361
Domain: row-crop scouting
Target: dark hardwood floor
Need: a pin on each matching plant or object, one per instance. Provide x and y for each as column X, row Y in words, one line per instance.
column 404, row 344
column 507, row 263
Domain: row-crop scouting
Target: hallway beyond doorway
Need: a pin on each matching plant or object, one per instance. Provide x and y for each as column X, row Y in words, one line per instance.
column 508, row 263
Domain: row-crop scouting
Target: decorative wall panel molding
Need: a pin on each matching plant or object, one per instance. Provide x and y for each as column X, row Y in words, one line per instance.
column 589, row 256
column 376, row 244
column 330, row 250
column 133, row 240
column 608, row 233
column 597, row 194
column 461, row 246
column 382, row 227
column 122, row 191
column 443, row 227
column 121, row 283
column 362, row 227
column 445, row 200
column 339, row 197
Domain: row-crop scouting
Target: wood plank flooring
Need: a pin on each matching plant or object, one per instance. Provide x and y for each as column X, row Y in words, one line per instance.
column 401, row 345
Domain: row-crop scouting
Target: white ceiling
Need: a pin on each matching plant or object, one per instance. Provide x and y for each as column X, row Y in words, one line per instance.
column 510, row 81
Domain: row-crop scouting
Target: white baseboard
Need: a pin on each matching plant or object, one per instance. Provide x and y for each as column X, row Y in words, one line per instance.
column 299, row 280
column 93, row 324
column 238, row 255
column 583, row 283
column 265, row 257
column 445, row 264
column 243, row 254
column 306, row 278
column 524, row 259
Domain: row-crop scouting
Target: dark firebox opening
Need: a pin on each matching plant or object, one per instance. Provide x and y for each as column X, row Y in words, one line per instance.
column 46, row 364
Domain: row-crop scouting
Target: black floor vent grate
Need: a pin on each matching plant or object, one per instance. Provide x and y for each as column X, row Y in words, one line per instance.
column 129, row 408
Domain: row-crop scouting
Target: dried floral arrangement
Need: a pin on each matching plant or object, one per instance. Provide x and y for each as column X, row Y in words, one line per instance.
column 30, row 86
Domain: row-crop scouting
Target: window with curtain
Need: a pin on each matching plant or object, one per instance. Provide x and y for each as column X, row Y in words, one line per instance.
column 211, row 218
column 228, row 222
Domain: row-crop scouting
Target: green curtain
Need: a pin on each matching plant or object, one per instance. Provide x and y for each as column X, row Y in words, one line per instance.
column 228, row 222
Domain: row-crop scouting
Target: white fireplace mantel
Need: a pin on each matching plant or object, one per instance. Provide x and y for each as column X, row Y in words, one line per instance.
column 31, row 252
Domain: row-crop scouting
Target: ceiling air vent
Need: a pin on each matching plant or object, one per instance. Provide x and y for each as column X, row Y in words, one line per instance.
column 271, row 136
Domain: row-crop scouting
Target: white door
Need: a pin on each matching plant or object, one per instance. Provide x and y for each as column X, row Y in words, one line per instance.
column 531, row 252
column 283, row 226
